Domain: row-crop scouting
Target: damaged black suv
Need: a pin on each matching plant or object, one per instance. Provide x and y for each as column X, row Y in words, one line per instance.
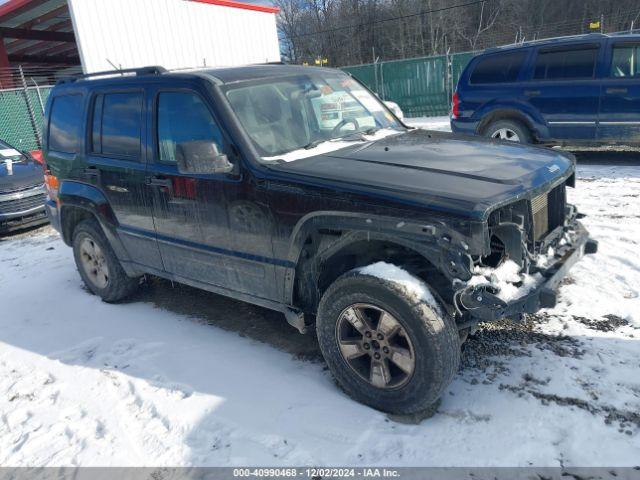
column 296, row 189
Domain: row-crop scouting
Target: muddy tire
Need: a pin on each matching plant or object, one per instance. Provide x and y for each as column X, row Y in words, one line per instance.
column 97, row 264
column 419, row 346
column 510, row 130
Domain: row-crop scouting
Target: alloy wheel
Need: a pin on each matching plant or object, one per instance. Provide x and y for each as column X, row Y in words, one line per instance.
column 505, row 134
column 94, row 263
column 375, row 345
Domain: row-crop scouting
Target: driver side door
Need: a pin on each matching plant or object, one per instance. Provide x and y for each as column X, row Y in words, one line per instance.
column 210, row 227
column 189, row 210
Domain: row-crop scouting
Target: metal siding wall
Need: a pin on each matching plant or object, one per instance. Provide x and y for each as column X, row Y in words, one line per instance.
column 171, row 33
column 417, row 85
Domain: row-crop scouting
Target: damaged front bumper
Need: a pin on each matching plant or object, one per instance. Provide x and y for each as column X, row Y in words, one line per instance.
column 482, row 302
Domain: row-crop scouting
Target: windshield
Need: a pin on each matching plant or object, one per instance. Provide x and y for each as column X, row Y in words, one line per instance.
column 296, row 113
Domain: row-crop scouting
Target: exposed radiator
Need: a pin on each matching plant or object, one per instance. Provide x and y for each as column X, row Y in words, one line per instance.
column 540, row 211
column 548, row 211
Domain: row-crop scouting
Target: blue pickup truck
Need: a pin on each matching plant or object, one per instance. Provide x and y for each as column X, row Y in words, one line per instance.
column 573, row 90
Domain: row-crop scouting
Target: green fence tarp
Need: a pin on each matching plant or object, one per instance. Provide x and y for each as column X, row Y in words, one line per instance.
column 15, row 124
column 422, row 87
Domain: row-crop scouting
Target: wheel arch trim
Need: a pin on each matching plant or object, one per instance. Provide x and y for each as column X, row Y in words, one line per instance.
column 73, row 196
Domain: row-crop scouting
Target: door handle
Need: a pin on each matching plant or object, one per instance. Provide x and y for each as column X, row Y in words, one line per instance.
column 616, row 90
column 532, row 93
column 160, row 182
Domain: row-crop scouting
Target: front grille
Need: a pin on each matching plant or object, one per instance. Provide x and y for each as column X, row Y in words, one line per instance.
column 548, row 211
column 14, row 189
column 22, row 204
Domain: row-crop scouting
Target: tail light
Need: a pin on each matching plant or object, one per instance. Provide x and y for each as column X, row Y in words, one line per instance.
column 455, row 106
column 51, row 184
column 37, row 156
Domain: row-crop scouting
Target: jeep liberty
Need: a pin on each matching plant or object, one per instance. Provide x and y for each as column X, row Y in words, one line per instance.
column 297, row 189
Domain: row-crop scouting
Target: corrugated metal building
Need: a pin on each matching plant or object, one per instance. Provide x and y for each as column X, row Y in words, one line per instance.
column 173, row 33
column 46, row 37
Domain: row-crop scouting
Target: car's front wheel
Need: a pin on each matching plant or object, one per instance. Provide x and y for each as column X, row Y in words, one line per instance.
column 98, row 265
column 385, row 347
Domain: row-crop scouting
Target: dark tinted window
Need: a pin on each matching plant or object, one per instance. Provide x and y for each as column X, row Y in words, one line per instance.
column 183, row 117
column 624, row 62
column 64, row 127
column 566, row 64
column 500, row 68
column 117, row 124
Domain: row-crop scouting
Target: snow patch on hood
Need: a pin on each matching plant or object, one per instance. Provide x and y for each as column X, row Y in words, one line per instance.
column 331, row 146
column 507, row 278
column 415, row 287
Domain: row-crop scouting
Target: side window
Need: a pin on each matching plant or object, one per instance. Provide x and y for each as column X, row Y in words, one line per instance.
column 498, row 68
column 117, row 124
column 565, row 64
column 65, row 123
column 624, row 62
column 183, row 117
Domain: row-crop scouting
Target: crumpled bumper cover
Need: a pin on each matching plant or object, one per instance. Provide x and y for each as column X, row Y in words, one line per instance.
column 483, row 305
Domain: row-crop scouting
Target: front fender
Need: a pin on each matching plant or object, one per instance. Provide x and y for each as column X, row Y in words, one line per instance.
column 438, row 244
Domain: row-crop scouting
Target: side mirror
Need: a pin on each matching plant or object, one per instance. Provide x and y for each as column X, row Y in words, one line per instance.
column 201, row 156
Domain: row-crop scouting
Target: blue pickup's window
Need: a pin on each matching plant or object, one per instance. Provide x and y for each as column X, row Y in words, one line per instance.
column 565, row 64
column 624, row 62
column 64, row 127
column 498, row 68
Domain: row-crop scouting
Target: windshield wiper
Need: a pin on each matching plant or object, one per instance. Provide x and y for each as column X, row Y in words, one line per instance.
column 360, row 134
column 313, row 144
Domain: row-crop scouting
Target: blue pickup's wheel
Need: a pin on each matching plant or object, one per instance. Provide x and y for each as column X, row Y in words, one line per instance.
column 98, row 265
column 385, row 347
column 509, row 130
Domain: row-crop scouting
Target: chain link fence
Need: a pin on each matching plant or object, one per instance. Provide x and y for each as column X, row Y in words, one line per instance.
column 23, row 95
column 21, row 116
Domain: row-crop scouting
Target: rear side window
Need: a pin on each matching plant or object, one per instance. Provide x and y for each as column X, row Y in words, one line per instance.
column 624, row 62
column 117, row 124
column 65, row 123
column 566, row 64
column 501, row 68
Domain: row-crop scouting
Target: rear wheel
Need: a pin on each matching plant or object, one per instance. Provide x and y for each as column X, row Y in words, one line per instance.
column 98, row 265
column 386, row 348
column 510, row 130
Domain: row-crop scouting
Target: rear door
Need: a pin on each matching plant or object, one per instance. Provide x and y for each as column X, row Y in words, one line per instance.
column 564, row 89
column 619, row 118
column 116, row 163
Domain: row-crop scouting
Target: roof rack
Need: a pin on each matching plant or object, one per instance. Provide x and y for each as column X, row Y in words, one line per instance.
column 549, row 40
column 153, row 70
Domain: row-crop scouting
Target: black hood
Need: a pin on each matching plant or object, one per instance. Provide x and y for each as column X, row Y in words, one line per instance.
column 24, row 173
column 446, row 172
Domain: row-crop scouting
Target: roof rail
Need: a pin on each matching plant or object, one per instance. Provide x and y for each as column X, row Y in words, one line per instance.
column 549, row 40
column 153, row 70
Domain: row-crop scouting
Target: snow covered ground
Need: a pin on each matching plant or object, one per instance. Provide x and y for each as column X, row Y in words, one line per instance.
column 430, row 123
column 182, row 377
